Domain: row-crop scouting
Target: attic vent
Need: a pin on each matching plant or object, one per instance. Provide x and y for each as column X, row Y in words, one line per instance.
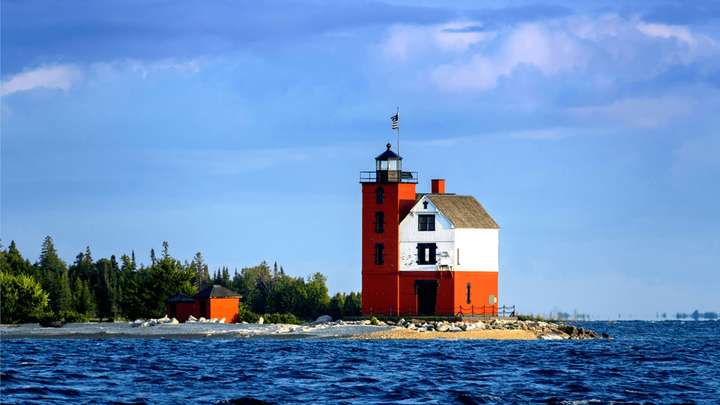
column 425, row 204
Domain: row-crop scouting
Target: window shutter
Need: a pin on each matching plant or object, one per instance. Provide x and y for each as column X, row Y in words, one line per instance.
column 433, row 250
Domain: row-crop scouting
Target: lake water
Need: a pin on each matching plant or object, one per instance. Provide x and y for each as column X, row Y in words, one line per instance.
column 656, row 362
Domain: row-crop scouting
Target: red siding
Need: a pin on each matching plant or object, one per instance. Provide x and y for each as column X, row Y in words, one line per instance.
column 227, row 308
column 380, row 283
column 386, row 290
column 180, row 310
column 482, row 285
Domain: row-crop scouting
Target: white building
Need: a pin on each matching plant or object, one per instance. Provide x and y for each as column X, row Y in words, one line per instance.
column 448, row 232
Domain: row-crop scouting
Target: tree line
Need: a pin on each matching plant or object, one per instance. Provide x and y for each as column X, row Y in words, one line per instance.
column 108, row 289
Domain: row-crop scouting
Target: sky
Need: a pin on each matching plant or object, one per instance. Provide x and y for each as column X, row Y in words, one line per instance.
column 589, row 130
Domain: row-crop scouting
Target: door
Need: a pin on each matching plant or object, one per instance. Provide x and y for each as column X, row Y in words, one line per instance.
column 426, row 291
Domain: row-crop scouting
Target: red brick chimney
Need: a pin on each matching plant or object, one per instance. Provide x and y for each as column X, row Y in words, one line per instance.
column 438, row 186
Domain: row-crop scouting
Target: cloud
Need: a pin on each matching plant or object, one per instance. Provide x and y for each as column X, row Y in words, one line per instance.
column 530, row 44
column 667, row 31
column 59, row 77
column 601, row 54
column 34, row 30
column 407, row 41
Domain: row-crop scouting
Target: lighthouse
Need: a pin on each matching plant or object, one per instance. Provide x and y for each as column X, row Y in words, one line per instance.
column 424, row 254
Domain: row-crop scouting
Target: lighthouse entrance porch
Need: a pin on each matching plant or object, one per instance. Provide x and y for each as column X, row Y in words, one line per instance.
column 426, row 295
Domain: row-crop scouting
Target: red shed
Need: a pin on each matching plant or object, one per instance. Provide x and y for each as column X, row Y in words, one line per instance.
column 218, row 302
column 180, row 307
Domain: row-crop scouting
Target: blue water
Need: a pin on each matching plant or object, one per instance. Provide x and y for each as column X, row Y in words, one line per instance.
column 663, row 362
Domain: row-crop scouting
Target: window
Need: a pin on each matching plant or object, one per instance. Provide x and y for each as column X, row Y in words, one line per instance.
column 379, row 222
column 426, row 253
column 468, row 293
column 426, row 222
column 379, row 253
column 379, row 195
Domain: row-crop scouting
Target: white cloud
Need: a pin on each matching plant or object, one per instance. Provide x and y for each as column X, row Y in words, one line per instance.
column 667, row 31
column 550, row 52
column 60, row 77
column 457, row 59
column 405, row 41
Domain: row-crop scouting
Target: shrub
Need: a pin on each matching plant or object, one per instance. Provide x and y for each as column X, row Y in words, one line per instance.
column 23, row 300
column 281, row 318
column 246, row 315
column 374, row 321
column 72, row 316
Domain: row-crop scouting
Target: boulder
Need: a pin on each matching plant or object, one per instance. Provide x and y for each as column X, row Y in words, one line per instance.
column 174, row 321
column 260, row 320
column 221, row 320
column 323, row 319
column 454, row 329
column 551, row 336
column 442, row 327
column 192, row 319
column 137, row 322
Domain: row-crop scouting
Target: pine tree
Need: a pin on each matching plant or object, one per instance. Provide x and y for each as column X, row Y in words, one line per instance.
column 14, row 262
column 200, row 269
column 53, row 275
column 84, row 304
column 225, row 280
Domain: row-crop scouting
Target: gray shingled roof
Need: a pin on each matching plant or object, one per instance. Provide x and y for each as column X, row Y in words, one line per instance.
column 179, row 298
column 463, row 211
column 216, row 291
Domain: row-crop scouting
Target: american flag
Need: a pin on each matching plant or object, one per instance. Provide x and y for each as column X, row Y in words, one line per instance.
column 395, row 119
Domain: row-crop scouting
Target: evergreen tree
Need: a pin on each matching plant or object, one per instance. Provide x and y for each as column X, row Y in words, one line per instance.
column 106, row 288
column 53, row 275
column 164, row 279
column 225, row 278
column 316, row 296
column 84, row 302
column 14, row 262
column 200, row 269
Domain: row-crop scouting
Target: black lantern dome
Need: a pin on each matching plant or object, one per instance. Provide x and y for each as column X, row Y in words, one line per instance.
column 388, row 169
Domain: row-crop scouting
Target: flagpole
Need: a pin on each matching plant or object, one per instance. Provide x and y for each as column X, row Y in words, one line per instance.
column 398, row 131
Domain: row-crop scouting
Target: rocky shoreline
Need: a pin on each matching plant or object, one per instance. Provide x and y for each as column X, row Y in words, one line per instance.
column 539, row 329
column 323, row 327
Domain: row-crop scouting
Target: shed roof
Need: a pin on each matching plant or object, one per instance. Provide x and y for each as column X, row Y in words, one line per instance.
column 463, row 211
column 216, row 291
column 179, row 298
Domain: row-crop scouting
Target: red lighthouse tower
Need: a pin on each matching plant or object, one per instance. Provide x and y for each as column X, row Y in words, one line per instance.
column 424, row 254
column 388, row 193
